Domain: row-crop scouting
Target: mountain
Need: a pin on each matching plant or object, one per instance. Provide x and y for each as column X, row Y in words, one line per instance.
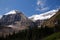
column 54, row 21
column 43, row 16
column 12, row 16
column 14, row 21
column 12, row 12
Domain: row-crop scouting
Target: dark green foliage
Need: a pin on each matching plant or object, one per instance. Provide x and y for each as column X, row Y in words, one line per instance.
column 58, row 17
column 55, row 36
column 31, row 34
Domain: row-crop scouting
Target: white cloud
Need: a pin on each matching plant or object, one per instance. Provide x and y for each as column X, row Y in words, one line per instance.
column 58, row 7
column 42, row 9
column 41, row 5
column 6, row 9
column 39, row 2
column 45, row 8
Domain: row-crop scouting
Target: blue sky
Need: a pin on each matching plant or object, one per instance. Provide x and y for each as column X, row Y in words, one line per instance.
column 29, row 7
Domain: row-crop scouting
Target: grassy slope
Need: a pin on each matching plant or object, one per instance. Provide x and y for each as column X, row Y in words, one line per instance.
column 55, row 36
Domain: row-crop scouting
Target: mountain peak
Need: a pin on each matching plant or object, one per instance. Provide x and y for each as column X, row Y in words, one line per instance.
column 43, row 16
column 12, row 12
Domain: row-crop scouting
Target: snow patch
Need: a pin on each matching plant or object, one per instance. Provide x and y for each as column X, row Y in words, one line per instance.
column 12, row 12
column 43, row 16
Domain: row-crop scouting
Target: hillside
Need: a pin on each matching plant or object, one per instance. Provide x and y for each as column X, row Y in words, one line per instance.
column 54, row 36
column 14, row 21
column 53, row 21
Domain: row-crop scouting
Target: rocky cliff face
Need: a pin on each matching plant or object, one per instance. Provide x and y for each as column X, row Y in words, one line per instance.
column 14, row 21
column 54, row 20
column 41, row 19
column 14, row 18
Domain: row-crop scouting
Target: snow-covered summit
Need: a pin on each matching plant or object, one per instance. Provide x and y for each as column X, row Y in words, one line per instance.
column 12, row 12
column 43, row 16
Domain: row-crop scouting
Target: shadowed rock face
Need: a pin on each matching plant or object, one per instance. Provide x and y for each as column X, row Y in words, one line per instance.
column 14, row 22
column 54, row 20
column 12, row 18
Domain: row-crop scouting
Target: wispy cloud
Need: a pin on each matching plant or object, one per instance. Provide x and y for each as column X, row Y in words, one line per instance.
column 42, row 9
column 41, row 5
column 58, row 7
column 39, row 2
column 4, row 10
